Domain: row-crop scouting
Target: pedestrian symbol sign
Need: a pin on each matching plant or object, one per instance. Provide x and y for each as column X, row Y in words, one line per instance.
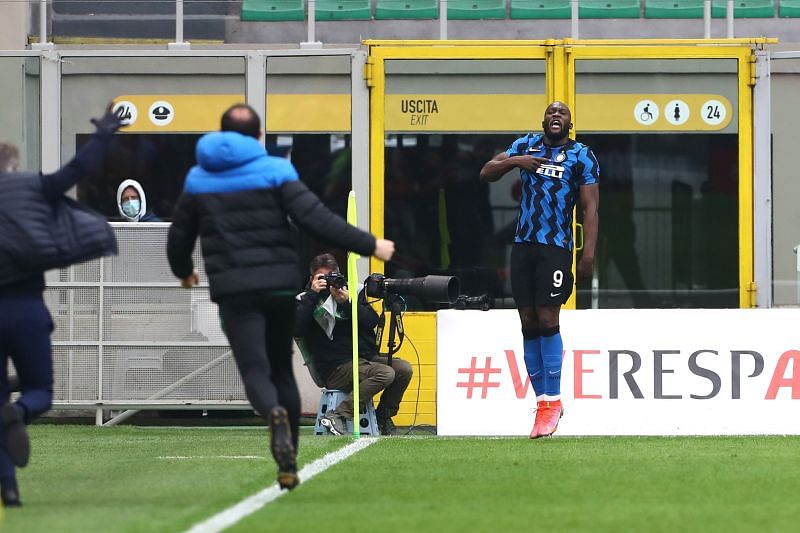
column 676, row 112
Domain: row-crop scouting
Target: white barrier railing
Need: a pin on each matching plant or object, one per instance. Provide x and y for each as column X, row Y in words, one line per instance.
column 128, row 337
column 797, row 253
column 179, row 43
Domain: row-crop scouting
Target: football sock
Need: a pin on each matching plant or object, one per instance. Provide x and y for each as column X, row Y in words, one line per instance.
column 552, row 357
column 534, row 364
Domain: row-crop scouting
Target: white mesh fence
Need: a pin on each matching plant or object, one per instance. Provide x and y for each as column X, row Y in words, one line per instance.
column 127, row 334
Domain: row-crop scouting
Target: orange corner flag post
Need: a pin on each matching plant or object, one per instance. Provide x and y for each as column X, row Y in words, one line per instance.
column 352, row 286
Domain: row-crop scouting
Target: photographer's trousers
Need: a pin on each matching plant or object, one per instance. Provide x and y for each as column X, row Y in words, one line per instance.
column 374, row 375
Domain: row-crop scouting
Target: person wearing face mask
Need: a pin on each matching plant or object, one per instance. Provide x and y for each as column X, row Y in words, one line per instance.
column 132, row 203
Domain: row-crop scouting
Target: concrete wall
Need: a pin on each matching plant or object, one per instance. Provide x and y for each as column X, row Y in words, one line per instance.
column 785, row 184
column 787, row 30
column 13, row 25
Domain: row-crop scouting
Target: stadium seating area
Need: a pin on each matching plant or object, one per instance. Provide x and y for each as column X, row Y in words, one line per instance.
column 273, row 10
column 406, row 9
column 277, row 10
column 350, row 21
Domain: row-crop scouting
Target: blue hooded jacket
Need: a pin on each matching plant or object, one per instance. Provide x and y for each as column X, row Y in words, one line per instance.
column 230, row 162
column 237, row 200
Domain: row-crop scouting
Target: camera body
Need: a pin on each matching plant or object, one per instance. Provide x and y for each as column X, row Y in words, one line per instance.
column 335, row 279
column 472, row 302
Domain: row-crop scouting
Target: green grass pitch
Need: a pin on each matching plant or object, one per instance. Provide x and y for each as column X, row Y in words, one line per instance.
column 130, row 479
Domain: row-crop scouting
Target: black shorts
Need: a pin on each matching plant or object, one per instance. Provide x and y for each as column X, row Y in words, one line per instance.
column 541, row 274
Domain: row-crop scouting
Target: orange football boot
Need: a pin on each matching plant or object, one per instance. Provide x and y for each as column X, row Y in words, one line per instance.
column 552, row 413
column 540, row 406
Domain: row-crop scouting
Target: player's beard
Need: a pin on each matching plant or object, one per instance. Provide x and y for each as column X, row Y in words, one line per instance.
column 556, row 137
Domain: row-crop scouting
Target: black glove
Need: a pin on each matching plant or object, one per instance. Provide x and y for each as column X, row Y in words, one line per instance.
column 110, row 122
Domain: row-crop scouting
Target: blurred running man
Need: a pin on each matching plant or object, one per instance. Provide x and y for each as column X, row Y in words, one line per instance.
column 555, row 170
column 34, row 238
column 237, row 200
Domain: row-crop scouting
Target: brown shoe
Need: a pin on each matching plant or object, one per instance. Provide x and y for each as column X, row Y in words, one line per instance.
column 282, row 448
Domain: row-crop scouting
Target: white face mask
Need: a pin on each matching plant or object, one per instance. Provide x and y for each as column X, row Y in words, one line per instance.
column 131, row 207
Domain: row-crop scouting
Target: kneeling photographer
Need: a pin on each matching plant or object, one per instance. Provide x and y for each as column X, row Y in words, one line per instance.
column 322, row 322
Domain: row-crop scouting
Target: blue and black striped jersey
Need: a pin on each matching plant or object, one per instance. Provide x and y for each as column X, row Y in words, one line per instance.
column 549, row 195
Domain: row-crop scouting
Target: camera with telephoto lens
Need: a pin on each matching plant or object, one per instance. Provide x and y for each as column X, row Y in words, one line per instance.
column 335, row 279
column 430, row 288
column 464, row 302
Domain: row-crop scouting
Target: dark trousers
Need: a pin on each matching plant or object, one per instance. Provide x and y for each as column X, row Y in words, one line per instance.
column 373, row 376
column 25, row 328
column 259, row 327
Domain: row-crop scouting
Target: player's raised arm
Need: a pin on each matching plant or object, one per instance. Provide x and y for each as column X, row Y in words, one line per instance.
column 503, row 163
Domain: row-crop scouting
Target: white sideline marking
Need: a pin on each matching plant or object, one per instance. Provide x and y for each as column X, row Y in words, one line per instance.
column 253, row 503
column 211, row 457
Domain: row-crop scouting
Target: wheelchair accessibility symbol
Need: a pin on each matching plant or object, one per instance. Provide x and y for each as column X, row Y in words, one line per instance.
column 646, row 112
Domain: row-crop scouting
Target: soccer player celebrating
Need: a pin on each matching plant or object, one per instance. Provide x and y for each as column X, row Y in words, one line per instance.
column 554, row 170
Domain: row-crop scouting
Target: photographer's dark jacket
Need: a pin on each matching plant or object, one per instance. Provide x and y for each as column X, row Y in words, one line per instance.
column 40, row 229
column 327, row 354
column 238, row 200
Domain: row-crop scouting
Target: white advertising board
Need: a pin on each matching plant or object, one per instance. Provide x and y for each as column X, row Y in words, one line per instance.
column 626, row 372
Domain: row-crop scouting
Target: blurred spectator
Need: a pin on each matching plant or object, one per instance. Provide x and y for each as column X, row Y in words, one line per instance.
column 132, row 203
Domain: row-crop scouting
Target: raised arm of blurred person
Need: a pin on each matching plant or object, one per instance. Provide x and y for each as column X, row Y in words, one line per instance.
column 88, row 158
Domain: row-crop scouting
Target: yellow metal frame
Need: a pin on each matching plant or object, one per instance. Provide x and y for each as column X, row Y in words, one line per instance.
column 560, row 56
column 738, row 49
column 423, row 325
column 380, row 51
